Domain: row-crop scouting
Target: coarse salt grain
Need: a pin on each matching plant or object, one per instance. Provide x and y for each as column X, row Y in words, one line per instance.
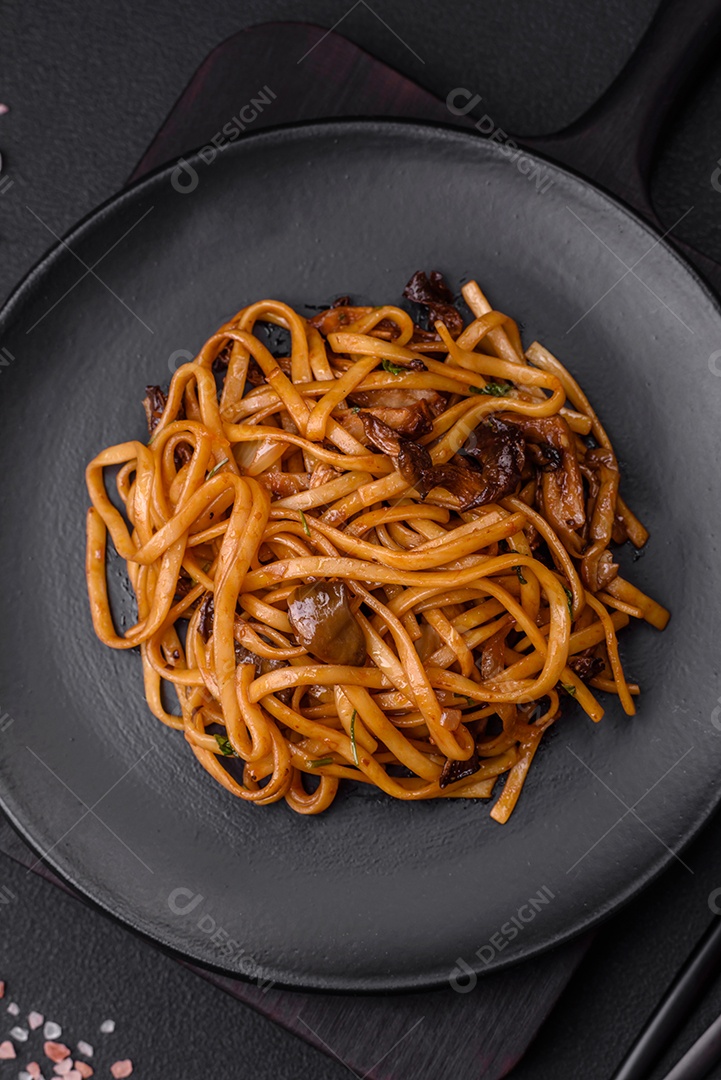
column 2, row 989
column 7, row 1050
column 35, row 1019
column 85, row 1048
column 25, row 1075
column 33, row 1068
column 63, row 1067
column 73, row 1075
column 56, row 1051
column 83, row 1069
column 13, row 1009
column 52, row 1030
column 19, row 1034
column 122, row 1069
column 3, row 109
column 107, row 1027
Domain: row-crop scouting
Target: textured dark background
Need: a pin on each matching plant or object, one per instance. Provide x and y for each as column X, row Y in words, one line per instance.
column 88, row 84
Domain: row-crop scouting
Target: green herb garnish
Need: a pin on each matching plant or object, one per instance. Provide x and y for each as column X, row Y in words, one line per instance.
column 392, row 369
column 353, row 744
column 355, row 409
column 225, row 746
column 304, row 523
column 519, row 573
column 569, row 688
column 493, row 389
column 569, row 597
column 319, row 762
column 215, row 468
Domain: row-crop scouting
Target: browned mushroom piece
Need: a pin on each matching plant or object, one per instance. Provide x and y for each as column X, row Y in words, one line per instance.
column 561, row 488
column 381, row 435
column 416, row 466
column 431, row 291
column 284, row 484
column 586, row 665
column 465, row 484
column 597, row 567
column 154, row 404
column 497, row 451
column 324, row 624
column 206, row 616
column 412, row 461
column 338, row 317
column 413, row 421
column 399, row 397
column 453, row 771
column 485, row 470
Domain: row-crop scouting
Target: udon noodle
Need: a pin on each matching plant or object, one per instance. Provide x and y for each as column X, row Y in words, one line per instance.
column 364, row 550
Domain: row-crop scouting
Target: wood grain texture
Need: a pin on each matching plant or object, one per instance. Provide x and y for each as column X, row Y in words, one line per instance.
column 477, row 1036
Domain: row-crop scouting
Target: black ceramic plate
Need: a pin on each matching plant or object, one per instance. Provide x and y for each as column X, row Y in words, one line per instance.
column 374, row 894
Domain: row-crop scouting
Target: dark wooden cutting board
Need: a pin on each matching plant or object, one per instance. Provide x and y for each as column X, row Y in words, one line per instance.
column 261, row 77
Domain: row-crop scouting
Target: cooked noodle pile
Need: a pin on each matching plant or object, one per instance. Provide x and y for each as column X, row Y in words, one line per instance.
column 383, row 555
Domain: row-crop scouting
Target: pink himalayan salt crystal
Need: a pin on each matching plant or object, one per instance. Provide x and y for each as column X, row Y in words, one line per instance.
column 2, row 989
column 83, row 1069
column 73, row 1075
column 63, row 1067
column 35, row 1019
column 33, row 1068
column 7, row 1050
column 122, row 1069
column 84, row 1048
column 3, row 109
column 56, row 1051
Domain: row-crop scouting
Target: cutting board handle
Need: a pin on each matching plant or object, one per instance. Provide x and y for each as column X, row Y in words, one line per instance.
column 614, row 143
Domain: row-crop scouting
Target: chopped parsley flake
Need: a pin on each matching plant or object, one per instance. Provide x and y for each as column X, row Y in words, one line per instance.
column 225, row 746
column 215, row 468
column 493, row 389
column 392, row 369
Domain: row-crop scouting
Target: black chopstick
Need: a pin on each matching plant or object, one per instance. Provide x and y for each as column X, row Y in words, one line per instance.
column 703, row 1055
column 675, row 1006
